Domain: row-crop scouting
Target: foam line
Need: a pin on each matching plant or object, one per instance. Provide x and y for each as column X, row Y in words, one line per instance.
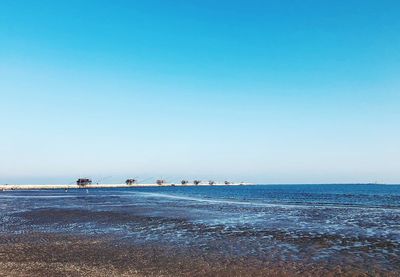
column 219, row 201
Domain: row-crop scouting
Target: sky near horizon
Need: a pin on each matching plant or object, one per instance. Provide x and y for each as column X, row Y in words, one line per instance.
column 263, row 91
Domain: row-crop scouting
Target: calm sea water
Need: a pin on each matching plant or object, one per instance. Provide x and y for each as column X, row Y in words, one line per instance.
column 340, row 224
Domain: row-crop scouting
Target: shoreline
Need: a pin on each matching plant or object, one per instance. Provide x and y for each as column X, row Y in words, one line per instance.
column 93, row 186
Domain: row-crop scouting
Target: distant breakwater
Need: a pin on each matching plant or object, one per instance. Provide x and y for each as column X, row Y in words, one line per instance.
column 74, row 186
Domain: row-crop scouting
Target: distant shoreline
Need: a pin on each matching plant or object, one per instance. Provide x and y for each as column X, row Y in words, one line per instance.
column 93, row 186
column 6, row 187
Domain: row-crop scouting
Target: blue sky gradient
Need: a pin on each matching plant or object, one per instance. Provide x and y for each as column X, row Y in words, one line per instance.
column 264, row 91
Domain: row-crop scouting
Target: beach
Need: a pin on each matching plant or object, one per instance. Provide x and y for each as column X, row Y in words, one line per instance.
column 200, row 138
column 62, row 255
column 201, row 231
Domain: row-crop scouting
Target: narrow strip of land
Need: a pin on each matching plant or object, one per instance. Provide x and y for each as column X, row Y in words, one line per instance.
column 74, row 186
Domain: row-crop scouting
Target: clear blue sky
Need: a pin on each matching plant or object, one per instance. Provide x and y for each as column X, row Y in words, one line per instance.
column 267, row 91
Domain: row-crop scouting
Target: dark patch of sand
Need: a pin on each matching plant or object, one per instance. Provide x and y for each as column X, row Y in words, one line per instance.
column 43, row 254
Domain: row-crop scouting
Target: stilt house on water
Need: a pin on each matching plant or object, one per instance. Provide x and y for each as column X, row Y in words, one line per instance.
column 83, row 182
column 130, row 181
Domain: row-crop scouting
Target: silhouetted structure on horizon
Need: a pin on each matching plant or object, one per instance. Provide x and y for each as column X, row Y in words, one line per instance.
column 130, row 181
column 83, row 182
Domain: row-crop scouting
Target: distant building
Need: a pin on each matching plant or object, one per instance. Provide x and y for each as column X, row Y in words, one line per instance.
column 160, row 182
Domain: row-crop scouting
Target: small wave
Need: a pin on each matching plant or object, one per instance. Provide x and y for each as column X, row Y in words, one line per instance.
column 278, row 205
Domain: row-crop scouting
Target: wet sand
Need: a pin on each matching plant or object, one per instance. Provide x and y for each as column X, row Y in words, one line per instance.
column 26, row 252
column 126, row 233
column 40, row 254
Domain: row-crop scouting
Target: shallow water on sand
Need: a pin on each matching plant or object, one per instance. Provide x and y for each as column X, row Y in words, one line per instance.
column 337, row 225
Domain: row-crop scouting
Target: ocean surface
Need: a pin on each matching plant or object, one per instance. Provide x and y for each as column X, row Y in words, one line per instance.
column 339, row 225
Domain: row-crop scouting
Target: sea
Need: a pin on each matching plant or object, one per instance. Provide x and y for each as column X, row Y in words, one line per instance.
column 338, row 225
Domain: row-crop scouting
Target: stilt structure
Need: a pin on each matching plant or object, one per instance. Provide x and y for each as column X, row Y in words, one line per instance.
column 130, row 181
column 83, row 182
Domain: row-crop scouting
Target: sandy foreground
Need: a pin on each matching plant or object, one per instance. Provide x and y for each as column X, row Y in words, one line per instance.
column 40, row 254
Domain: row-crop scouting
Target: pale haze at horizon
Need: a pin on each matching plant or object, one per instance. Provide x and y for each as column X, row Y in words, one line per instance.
column 258, row 91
